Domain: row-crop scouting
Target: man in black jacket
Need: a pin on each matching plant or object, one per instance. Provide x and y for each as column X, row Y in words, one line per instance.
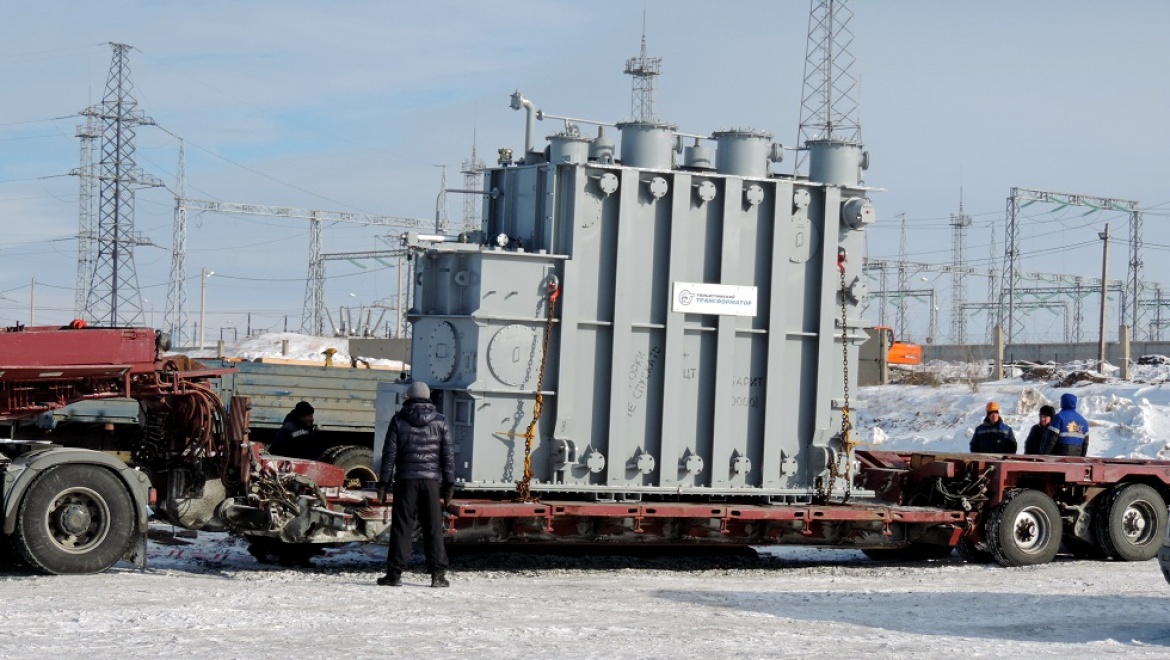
column 1043, row 437
column 295, row 435
column 993, row 436
column 418, row 466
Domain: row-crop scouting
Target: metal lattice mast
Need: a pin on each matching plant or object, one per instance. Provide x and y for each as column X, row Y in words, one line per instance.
column 830, row 107
column 959, row 224
column 643, row 69
column 994, row 316
column 903, row 278
column 114, row 298
column 88, row 134
column 176, row 315
column 1079, row 294
column 472, row 180
column 1134, row 281
column 312, row 316
column 1011, row 253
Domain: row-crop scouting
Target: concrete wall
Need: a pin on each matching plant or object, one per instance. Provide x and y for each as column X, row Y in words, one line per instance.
column 1043, row 352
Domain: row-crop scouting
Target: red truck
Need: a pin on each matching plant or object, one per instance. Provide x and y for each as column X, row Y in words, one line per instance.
column 68, row 509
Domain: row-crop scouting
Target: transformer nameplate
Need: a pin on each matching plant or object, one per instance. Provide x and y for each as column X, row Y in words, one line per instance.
column 724, row 299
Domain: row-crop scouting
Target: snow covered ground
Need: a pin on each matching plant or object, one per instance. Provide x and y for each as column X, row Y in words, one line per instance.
column 209, row 598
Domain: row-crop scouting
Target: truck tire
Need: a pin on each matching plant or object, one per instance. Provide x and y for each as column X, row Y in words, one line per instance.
column 912, row 552
column 357, row 461
column 1025, row 530
column 74, row 519
column 1131, row 522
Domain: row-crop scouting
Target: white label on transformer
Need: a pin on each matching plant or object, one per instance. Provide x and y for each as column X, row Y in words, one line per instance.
column 699, row 298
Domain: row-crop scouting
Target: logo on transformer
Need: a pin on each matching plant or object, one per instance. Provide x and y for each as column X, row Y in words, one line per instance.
column 719, row 299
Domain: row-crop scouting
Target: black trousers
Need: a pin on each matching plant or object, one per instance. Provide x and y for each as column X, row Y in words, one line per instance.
column 416, row 498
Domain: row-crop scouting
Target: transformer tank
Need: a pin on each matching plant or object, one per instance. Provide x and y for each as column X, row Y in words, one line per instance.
column 705, row 319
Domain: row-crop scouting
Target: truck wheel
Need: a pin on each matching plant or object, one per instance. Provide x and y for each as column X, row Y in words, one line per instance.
column 1025, row 530
column 357, row 461
column 912, row 552
column 74, row 519
column 973, row 554
column 1131, row 523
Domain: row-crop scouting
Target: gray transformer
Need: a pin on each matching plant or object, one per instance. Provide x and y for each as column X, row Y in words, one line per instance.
column 697, row 347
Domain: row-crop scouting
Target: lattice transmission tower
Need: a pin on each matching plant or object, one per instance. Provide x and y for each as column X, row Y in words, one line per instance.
column 176, row 315
column 113, row 297
column 87, row 134
column 830, row 107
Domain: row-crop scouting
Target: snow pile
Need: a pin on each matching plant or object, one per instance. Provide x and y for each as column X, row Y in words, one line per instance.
column 300, row 347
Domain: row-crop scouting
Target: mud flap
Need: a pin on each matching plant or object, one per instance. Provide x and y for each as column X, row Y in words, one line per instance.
column 136, row 552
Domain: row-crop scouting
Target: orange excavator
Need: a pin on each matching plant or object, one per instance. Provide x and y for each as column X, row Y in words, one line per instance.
column 900, row 352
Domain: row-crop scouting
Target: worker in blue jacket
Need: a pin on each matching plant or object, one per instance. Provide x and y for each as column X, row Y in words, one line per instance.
column 993, row 436
column 1072, row 428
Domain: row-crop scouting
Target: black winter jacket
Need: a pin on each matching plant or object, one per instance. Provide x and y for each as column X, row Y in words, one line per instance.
column 418, row 445
column 1041, row 440
column 293, row 438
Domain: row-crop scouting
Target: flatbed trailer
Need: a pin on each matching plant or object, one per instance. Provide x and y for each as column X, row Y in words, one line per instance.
column 1014, row 510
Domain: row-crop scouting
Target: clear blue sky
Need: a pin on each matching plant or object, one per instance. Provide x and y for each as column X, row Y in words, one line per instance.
column 347, row 106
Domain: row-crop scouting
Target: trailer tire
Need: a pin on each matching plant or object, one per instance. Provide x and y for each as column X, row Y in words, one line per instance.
column 1131, row 522
column 912, row 552
column 973, row 554
column 1025, row 530
column 357, row 461
column 74, row 519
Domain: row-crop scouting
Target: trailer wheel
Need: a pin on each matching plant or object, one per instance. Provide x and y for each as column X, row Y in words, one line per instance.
column 1131, row 523
column 1025, row 530
column 973, row 554
column 912, row 552
column 357, row 461
column 74, row 519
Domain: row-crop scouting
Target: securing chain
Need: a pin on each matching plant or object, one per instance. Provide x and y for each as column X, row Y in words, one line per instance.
column 523, row 487
column 825, row 492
